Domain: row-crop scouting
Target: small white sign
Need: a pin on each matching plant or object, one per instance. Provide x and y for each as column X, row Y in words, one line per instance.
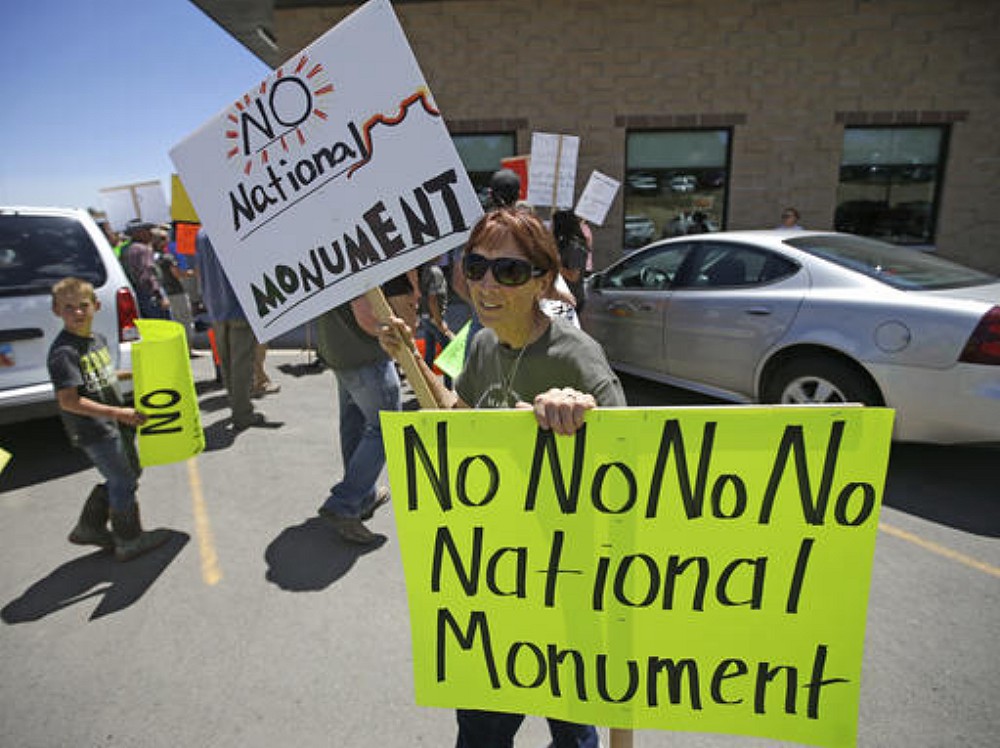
column 597, row 197
column 143, row 201
column 335, row 174
column 552, row 169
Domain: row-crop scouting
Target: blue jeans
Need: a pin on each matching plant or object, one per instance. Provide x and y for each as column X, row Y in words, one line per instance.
column 362, row 393
column 116, row 459
column 482, row 729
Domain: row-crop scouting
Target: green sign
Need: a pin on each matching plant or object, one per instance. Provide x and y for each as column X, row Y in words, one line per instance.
column 693, row 569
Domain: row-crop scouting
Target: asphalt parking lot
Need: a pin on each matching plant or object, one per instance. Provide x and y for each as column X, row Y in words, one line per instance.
column 256, row 627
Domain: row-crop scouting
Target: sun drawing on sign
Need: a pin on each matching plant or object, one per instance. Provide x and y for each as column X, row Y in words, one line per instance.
column 257, row 114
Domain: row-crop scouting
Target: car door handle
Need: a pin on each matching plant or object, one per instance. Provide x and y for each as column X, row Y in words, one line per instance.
column 758, row 311
column 20, row 333
column 624, row 308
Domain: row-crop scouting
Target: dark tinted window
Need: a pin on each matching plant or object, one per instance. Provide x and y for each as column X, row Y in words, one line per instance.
column 37, row 251
column 899, row 267
column 727, row 265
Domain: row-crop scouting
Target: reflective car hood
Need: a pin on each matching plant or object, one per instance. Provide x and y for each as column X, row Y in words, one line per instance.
column 990, row 293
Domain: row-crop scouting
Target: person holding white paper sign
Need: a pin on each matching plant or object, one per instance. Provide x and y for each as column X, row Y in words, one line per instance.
column 521, row 359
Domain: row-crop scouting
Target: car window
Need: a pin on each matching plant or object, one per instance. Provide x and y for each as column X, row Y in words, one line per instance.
column 729, row 265
column 38, row 251
column 900, row 267
column 651, row 269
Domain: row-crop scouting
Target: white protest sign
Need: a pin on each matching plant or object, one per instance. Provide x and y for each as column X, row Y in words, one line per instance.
column 596, row 198
column 143, row 201
column 552, row 170
column 332, row 176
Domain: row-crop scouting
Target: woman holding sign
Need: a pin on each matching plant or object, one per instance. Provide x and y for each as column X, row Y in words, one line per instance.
column 522, row 359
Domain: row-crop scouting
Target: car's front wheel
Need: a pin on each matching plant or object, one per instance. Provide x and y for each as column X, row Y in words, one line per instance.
column 820, row 380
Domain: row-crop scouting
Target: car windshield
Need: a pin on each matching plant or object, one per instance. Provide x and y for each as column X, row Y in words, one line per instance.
column 38, row 251
column 900, row 267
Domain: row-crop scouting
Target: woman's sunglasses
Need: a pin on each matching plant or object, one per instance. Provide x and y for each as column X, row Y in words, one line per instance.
column 508, row 271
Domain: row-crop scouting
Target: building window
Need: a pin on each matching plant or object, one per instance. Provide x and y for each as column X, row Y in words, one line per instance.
column 675, row 183
column 481, row 154
column 890, row 182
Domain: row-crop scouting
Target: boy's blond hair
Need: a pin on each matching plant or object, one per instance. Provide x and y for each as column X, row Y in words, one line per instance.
column 73, row 286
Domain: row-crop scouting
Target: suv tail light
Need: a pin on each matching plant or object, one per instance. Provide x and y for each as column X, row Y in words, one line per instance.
column 127, row 313
column 984, row 343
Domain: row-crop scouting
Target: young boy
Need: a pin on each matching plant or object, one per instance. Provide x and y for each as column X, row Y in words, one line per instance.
column 97, row 421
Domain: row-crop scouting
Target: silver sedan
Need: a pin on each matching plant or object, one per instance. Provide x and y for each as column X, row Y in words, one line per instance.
column 807, row 317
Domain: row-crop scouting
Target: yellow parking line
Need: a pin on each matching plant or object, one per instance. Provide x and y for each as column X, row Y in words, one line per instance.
column 210, row 572
column 940, row 550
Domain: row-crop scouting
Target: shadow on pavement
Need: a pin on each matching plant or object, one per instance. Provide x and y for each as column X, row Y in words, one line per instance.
column 219, row 435
column 210, row 385
column 213, row 403
column 97, row 574
column 953, row 486
column 310, row 557
column 40, row 452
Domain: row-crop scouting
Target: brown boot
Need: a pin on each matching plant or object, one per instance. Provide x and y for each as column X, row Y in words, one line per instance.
column 92, row 528
column 129, row 537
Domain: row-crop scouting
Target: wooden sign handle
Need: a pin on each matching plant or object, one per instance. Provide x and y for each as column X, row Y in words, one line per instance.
column 425, row 396
column 555, row 182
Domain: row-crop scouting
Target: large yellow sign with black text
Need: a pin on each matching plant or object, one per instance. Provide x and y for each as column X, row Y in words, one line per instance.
column 693, row 569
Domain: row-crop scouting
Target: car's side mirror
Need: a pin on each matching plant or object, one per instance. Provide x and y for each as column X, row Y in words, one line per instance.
column 596, row 280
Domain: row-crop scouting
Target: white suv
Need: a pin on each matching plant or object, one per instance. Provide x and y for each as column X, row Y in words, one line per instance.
column 39, row 246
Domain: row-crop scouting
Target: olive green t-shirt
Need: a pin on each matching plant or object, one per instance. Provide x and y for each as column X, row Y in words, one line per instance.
column 496, row 376
column 342, row 344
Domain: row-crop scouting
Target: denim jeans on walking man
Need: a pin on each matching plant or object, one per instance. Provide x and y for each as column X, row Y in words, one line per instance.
column 362, row 392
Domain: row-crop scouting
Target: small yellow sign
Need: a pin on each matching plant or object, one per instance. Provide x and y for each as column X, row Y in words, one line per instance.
column 164, row 391
column 181, row 208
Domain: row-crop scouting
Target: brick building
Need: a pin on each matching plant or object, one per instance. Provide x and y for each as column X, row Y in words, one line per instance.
column 871, row 116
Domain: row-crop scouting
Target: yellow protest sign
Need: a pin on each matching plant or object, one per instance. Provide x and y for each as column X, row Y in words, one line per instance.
column 694, row 569
column 164, row 391
column 181, row 208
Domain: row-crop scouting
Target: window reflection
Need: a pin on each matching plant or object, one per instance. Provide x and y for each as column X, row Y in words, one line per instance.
column 889, row 178
column 481, row 154
column 675, row 184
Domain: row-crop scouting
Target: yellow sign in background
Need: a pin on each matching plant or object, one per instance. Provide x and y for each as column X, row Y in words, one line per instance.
column 164, row 391
column 694, row 569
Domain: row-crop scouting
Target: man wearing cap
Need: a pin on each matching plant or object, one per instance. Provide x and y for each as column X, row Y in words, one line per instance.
column 140, row 265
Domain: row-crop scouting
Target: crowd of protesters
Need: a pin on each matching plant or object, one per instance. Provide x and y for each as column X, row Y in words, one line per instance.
column 521, row 353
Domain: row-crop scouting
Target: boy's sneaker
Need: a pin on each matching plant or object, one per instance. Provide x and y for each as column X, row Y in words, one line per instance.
column 92, row 527
column 99, row 536
column 129, row 537
column 147, row 540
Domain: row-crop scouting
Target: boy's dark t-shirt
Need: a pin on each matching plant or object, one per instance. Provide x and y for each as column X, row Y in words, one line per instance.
column 85, row 363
